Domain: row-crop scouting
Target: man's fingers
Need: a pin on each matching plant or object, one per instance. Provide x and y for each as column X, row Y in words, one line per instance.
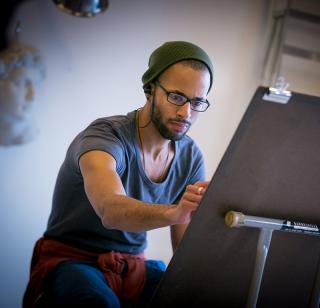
column 190, row 205
column 199, row 190
column 202, row 184
column 192, row 196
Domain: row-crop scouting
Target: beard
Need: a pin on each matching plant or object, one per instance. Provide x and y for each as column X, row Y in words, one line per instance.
column 164, row 131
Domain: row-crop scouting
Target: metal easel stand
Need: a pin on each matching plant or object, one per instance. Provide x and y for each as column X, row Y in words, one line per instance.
column 266, row 226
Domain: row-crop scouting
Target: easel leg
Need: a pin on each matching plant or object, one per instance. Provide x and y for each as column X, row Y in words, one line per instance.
column 262, row 252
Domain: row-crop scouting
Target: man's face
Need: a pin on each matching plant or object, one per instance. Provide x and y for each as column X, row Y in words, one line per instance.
column 172, row 121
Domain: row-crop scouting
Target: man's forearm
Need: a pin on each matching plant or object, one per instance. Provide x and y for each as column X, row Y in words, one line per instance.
column 177, row 232
column 128, row 214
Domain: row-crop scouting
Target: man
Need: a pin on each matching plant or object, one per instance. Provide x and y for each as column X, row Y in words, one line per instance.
column 21, row 70
column 122, row 176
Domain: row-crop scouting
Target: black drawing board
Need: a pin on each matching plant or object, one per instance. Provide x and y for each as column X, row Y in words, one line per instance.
column 271, row 169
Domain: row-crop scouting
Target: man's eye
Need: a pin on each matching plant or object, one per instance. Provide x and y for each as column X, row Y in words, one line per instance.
column 197, row 103
column 177, row 98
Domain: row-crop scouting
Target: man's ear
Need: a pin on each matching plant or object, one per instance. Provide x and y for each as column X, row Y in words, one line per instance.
column 148, row 90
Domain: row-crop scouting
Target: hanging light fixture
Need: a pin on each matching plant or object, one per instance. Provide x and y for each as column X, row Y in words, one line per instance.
column 82, row 8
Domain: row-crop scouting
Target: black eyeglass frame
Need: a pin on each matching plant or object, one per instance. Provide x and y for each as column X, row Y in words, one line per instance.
column 188, row 100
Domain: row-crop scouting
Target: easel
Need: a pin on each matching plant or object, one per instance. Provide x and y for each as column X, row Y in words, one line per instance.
column 271, row 168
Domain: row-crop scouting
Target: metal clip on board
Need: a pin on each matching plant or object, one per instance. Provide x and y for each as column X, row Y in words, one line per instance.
column 266, row 226
column 278, row 93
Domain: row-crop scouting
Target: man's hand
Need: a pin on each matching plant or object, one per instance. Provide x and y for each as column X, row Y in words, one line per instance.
column 182, row 212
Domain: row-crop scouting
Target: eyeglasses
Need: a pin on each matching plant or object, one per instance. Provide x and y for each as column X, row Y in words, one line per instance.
column 199, row 105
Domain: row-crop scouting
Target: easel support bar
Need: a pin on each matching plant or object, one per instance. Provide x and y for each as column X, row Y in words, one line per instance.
column 266, row 226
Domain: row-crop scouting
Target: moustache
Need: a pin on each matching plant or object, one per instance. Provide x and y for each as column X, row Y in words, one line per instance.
column 185, row 122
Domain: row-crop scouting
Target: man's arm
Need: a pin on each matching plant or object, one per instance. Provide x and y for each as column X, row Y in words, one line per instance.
column 106, row 194
column 177, row 232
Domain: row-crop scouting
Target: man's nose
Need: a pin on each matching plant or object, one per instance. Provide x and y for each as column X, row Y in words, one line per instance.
column 184, row 111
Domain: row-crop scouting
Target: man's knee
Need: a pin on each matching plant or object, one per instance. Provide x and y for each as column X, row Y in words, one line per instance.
column 80, row 285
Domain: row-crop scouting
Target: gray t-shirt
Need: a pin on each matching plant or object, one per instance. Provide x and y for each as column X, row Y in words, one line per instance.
column 73, row 220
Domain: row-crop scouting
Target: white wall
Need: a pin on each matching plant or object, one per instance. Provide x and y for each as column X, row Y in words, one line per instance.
column 94, row 68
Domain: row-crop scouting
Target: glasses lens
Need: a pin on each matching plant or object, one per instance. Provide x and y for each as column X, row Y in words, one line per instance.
column 199, row 105
column 176, row 99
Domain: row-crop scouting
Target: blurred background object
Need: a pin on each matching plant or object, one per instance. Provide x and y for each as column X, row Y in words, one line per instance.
column 82, row 8
column 293, row 46
column 21, row 70
column 7, row 9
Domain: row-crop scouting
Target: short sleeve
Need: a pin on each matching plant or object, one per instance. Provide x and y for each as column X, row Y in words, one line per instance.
column 101, row 136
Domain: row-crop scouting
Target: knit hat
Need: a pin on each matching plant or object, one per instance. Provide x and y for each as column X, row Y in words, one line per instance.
column 170, row 53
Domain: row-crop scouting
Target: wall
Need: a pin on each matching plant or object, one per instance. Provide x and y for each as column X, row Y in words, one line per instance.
column 94, row 68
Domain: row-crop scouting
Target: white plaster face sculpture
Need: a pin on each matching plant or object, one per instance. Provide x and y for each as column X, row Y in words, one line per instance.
column 21, row 70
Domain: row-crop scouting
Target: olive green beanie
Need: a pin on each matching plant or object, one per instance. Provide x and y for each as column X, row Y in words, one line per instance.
column 170, row 53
